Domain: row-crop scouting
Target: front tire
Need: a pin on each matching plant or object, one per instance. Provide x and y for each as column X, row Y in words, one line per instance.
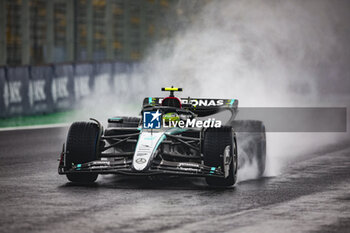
column 82, row 147
column 215, row 142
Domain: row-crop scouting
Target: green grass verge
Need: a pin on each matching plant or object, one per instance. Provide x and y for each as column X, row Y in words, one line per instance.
column 44, row 119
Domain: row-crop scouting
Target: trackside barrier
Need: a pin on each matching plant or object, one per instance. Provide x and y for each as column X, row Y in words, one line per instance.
column 63, row 87
column 3, row 109
column 83, row 80
column 40, row 89
column 16, row 95
column 135, row 80
column 103, row 81
column 121, row 79
column 30, row 90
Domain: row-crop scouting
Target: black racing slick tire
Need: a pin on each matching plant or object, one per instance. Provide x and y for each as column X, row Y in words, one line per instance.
column 82, row 147
column 126, row 122
column 251, row 137
column 215, row 142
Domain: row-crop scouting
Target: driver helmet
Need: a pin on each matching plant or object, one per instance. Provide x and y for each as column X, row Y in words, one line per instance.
column 171, row 116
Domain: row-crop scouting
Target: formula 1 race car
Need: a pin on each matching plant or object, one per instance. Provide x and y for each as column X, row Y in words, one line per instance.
column 181, row 137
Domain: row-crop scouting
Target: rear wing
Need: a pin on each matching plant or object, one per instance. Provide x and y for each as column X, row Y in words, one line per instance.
column 201, row 107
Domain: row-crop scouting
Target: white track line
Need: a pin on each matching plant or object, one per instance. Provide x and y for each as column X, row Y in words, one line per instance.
column 35, row 127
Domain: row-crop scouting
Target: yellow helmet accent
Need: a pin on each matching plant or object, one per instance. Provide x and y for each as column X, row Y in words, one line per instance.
column 171, row 116
column 171, row 89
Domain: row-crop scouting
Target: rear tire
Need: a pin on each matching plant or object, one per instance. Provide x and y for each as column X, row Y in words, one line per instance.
column 251, row 137
column 215, row 142
column 127, row 122
column 82, row 147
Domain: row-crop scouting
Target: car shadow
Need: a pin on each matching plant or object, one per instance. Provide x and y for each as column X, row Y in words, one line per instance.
column 161, row 183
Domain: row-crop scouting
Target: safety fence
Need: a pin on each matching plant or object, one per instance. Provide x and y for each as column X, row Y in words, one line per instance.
column 30, row 90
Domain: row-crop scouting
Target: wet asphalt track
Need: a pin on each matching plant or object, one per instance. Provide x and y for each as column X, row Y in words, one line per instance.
column 312, row 195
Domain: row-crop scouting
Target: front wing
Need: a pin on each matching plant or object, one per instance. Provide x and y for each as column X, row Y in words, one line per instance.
column 124, row 166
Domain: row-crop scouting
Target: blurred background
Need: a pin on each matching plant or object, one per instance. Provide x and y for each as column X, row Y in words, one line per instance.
column 102, row 57
column 55, row 31
column 56, row 54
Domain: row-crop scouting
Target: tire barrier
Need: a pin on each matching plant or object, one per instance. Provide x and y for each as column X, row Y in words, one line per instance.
column 31, row 90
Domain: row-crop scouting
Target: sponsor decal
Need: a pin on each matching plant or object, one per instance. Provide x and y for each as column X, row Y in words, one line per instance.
column 140, row 160
column 196, row 102
column 12, row 93
column 152, row 120
column 36, row 91
column 188, row 169
column 101, row 163
column 188, row 164
column 204, row 102
column 60, row 88
column 141, row 154
column 81, row 86
column 146, row 152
